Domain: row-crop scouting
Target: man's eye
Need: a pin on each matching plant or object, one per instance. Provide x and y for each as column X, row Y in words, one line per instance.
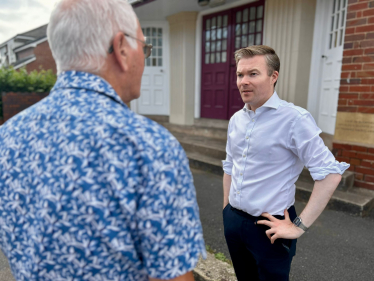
column 239, row 75
column 253, row 74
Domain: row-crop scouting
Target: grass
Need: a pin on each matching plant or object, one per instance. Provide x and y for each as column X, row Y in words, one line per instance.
column 218, row 255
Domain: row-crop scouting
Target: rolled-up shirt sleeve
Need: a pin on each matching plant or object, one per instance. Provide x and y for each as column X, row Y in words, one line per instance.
column 227, row 163
column 306, row 143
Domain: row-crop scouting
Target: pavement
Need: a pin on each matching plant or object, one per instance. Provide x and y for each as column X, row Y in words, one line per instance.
column 338, row 246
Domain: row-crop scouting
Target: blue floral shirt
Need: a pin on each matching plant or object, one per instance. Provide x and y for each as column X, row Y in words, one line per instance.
column 90, row 190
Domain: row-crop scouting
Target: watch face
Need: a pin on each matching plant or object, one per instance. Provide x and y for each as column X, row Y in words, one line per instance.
column 297, row 221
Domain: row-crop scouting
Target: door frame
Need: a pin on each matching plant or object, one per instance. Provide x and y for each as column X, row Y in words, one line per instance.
column 198, row 46
column 321, row 20
column 166, row 58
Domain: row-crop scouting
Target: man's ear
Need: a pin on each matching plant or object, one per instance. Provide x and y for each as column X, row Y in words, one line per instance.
column 274, row 76
column 120, row 51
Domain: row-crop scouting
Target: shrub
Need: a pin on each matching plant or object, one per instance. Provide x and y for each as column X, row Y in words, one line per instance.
column 12, row 80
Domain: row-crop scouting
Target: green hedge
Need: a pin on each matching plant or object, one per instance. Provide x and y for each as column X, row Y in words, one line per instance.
column 12, row 80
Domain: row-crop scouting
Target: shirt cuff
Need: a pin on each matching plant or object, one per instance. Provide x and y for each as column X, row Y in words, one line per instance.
column 335, row 168
column 227, row 167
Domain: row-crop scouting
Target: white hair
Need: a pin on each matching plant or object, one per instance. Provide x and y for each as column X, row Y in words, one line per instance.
column 80, row 32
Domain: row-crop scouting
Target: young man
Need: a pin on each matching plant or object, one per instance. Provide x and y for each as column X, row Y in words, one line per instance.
column 88, row 189
column 268, row 143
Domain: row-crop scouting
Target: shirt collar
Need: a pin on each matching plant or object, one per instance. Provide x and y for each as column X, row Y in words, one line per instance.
column 273, row 102
column 88, row 81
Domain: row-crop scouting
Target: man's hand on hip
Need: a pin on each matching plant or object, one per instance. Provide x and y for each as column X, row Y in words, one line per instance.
column 280, row 228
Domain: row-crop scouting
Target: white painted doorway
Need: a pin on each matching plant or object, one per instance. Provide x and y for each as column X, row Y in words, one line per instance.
column 154, row 96
column 329, row 30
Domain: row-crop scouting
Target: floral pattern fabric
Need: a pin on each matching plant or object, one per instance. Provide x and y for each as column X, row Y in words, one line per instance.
column 90, row 190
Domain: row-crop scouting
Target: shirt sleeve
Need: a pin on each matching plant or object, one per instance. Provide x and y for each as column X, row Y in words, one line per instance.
column 306, row 143
column 227, row 163
column 168, row 221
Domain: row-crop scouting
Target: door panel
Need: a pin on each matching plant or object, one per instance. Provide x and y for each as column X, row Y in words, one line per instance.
column 223, row 34
column 154, row 97
column 332, row 63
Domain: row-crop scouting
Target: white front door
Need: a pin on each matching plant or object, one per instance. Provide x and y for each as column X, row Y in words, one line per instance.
column 154, row 97
column 332, row 54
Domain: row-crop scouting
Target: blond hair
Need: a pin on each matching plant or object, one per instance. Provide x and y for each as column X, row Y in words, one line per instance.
column 272, row 59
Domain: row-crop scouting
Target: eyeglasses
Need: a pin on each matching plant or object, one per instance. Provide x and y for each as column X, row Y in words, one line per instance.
column 147, row 49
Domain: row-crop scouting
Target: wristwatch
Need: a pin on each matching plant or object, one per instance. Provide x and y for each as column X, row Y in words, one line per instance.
column 299, row 223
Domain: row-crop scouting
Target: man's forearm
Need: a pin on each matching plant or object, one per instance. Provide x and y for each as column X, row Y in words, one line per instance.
column 226, row 188
column 321, row 195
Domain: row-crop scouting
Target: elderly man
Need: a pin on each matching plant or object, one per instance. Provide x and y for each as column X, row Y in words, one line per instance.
column 88, row 189
column 268, row 144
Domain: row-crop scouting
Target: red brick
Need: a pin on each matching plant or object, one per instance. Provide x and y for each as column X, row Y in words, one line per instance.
column 365, row 109
column 347, row 60
column 368, row 13
column 367, row 81
column 366, row 44
column 364, row 156
column 348, row 46
column 359, row 176
column 355, row 161
column 343, row 159
column 355, row 22
column 364, row 185
column 350, row 30
column 342, row 146
column 343, row 88
column 365, row 28
column 349, row 154
column 356, row 7
column 359, row 148
column 348, row 96
column 359, row 14
column 368, row 66
column 342, row 102
column 369, row 51
column 351, row 168
column 356, row 52
column 351, row 67
column 369, row 178
column 352, row 1
column 365, row 74
column 353, row 74
column 366, row 163
column 371, row 4
column 347, row 109
column 344, row 75
column 354, row 37
column 359, row 88
column 370, row 35
column 366, row 97
column 350, row 81
column 351, row 15
column 370, row 20
column 365, row 171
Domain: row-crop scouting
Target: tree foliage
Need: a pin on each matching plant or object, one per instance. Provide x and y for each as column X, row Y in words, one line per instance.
column 12, row 80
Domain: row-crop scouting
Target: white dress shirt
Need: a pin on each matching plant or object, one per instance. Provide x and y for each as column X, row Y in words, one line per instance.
column 266, row 151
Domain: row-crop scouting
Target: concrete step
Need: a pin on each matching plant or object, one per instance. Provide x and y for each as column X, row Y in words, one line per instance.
column 205, row 163
column 208, row 132
column 214, row 148
column 356, row 201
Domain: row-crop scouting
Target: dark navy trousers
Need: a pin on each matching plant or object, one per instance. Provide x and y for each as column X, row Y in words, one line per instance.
column 252, row 254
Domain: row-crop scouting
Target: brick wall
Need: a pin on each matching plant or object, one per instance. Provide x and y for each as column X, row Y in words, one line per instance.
column 14, row 103
column 357, row 85
column 44, row 58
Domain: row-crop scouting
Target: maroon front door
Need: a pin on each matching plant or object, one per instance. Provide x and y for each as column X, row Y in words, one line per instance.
column 223, row 34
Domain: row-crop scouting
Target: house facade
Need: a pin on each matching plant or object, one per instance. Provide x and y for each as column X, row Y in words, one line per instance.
column 29, row 49
column 325, row 48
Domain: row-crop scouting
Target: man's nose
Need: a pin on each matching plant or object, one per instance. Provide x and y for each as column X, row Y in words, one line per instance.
column 245, row 81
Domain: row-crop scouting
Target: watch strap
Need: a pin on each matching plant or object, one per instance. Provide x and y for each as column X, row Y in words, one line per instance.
column 298, row 222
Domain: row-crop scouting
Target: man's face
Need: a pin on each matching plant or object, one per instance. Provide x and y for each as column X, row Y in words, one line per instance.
column 254, row 84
